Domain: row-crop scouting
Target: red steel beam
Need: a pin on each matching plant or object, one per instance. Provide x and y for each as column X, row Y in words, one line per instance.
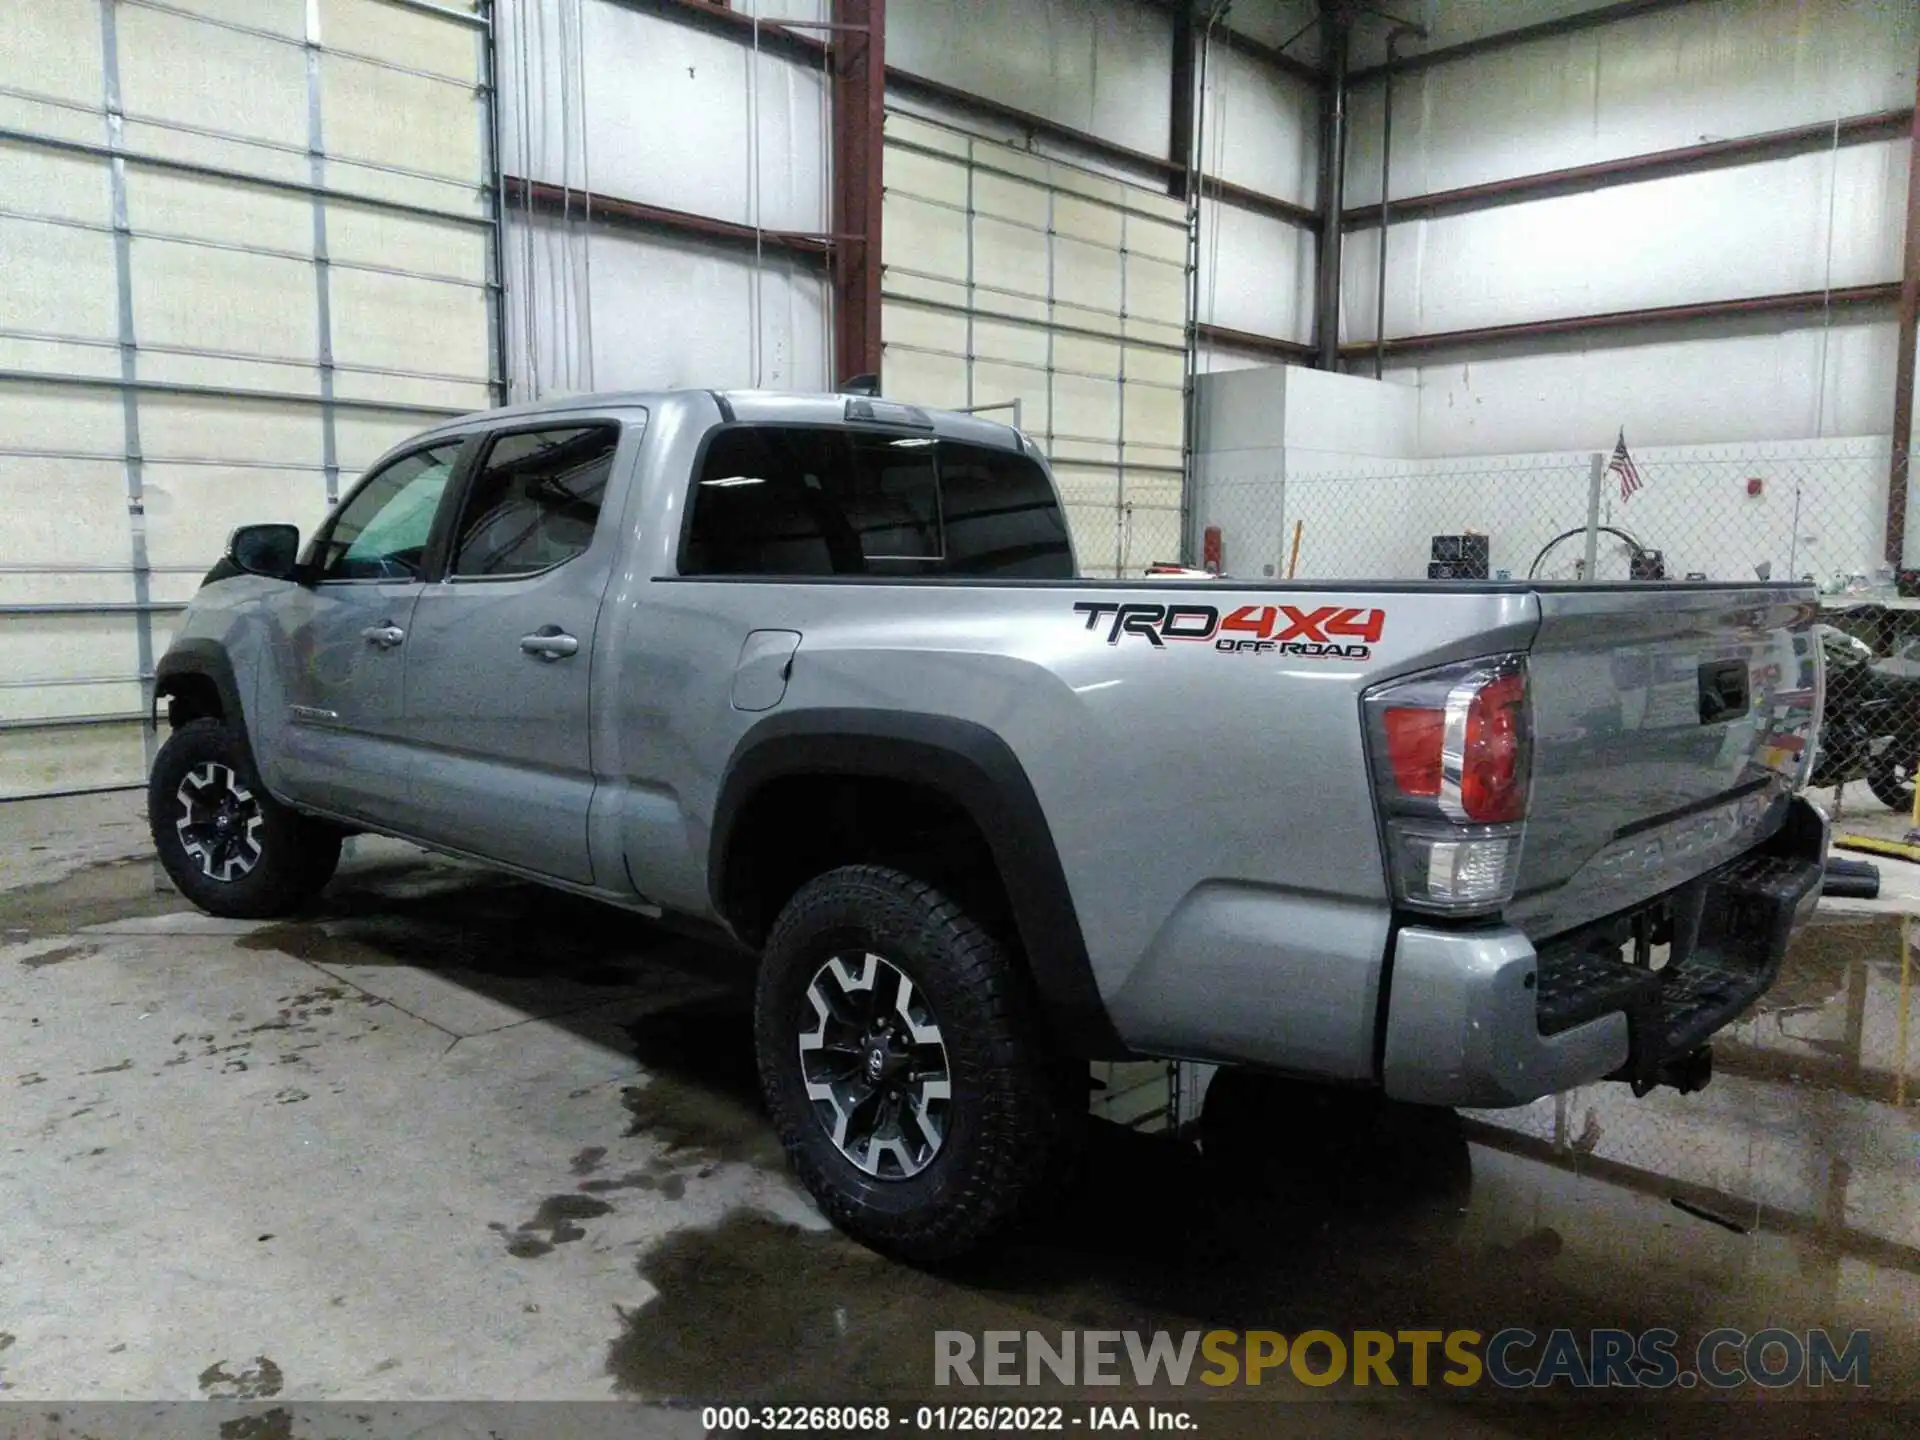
column 1686, row 160
column 1173, row 172
column 1504, row 39
column 859, row 140
column 1903, row 360
column 1798, row 302
column 552, row 200
column 934, row 91
column 1268, row 345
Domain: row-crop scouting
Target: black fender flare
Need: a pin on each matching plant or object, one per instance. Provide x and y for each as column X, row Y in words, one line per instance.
column 202, row 659
column 977, row 770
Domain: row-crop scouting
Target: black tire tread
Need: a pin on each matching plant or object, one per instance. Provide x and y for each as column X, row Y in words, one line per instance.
column 1025, row 1110
column 300, row 856
column 1887, row 788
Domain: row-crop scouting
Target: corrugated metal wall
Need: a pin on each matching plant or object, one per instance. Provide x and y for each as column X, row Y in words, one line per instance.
column 1682, row 76
column 244, row 248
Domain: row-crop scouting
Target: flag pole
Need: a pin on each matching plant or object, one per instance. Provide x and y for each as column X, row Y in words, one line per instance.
column 1593, row 512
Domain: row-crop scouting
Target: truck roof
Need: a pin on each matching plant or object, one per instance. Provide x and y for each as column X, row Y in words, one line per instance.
column 768, row 407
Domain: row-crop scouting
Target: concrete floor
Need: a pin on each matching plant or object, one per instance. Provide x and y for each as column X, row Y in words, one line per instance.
column 453, row 1137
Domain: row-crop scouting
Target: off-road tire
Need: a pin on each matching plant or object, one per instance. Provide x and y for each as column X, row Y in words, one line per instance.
column 1891, row 782
column 297, row 856
column 1012, row 1115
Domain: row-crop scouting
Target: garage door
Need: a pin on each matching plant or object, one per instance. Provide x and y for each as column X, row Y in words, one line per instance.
column 1011, row 277
column 246, row 245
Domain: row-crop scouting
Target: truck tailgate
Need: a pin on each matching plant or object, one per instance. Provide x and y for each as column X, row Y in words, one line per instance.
column 1671, row 724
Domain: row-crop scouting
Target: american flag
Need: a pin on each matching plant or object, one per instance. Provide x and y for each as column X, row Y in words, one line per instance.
column 1622, row 465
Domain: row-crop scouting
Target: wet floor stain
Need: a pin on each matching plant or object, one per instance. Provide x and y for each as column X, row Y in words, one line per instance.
column 274, row 1424
column 258, row 1379
column 97, row 894
column 701, row 1101
column 60, row 955
column 661, row 1176
column 555, row 1223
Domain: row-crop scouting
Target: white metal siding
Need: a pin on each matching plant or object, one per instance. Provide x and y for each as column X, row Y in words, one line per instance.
column 599, row 96
column 246, row 247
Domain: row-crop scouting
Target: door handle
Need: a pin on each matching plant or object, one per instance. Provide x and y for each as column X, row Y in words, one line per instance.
column 550, row 643
column 385, row 636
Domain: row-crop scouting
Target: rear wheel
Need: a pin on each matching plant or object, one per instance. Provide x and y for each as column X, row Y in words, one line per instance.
column 905, row 1065
column 228, row 846
column 1890, row 777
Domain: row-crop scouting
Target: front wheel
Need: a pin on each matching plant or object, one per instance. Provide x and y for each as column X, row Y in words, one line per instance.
column 905, row 1065
column 226, row 844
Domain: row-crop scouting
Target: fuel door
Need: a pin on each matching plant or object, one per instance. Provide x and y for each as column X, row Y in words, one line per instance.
column 760, row 675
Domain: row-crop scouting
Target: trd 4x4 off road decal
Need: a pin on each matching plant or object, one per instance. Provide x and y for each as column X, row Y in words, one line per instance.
column 1326, row 632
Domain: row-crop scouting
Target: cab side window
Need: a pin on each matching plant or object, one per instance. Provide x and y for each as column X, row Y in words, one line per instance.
column 801, row 500
column 534, row 502
column 381, row 532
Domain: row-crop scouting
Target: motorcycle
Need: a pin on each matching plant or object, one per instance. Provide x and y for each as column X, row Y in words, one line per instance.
column 1871, row 728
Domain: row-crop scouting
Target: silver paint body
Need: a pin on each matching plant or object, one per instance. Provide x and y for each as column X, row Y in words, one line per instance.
column 1212, row 811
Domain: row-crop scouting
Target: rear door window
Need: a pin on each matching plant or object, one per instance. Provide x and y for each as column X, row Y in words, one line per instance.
column 798, row 500
column 534, row 502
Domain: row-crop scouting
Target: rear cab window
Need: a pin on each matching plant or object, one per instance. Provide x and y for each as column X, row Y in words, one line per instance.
column 798, row 500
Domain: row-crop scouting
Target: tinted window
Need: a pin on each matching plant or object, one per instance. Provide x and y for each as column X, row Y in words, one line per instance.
column 381, row 532
column 1002, row 517
column 788, row 500
column 535, row 501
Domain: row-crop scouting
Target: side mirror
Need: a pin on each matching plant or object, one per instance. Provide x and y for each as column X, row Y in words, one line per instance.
column 269, row 550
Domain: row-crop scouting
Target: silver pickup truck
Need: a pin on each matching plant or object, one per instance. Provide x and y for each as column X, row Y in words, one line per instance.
column 818, row 676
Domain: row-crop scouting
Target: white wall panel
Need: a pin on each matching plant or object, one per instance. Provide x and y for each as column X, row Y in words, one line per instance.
column 192, row 73
column 52, row 48
column 1101, row 66
column 667, row 114
column 1714, row 70
column 667, row 313
column 1262, row 127
column 1785, row 384
column 1752, row 230
column 1256, row 273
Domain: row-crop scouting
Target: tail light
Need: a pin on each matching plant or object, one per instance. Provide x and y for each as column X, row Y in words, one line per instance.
column 1452, row 754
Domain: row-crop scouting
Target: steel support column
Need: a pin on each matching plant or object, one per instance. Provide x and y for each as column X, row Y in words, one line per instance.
column 1336, row 25
column 1181, row 104
column 1903, row 362
column 859, row 133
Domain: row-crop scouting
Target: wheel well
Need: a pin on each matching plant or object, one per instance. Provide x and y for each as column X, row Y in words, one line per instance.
column 191, row 697
column 797, row 827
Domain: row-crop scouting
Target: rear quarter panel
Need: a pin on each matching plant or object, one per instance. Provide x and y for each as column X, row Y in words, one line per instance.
column 1171, row 774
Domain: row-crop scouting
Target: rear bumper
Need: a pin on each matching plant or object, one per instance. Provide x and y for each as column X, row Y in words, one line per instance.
column 1482, row 1018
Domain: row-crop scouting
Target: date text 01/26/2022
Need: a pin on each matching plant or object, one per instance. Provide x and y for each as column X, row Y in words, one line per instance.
column 976, row 1419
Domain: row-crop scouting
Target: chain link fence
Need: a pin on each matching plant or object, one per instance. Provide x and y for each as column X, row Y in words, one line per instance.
column 1812, row 510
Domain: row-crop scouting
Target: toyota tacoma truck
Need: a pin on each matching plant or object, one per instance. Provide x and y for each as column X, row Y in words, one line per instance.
column 817, row 675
